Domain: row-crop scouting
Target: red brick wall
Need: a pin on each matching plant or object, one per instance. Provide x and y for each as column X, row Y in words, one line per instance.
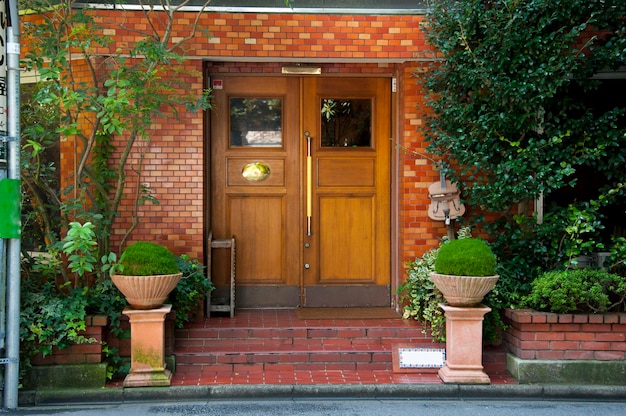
column 550, row 336
column 342, row 44
column 288, row 35
column 173, row 169
column 418, row 233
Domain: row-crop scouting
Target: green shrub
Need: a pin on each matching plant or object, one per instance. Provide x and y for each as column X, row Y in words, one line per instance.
column 50, row 318
column 581, row 290
column 144, row 259
column 421, row 297
column 191, row 289
column 466, row 257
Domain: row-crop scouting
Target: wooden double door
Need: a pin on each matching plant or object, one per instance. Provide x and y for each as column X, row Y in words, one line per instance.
column 300, row 175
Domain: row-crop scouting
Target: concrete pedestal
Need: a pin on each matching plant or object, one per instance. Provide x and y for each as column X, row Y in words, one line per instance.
column 147, row 344
column 464, row 345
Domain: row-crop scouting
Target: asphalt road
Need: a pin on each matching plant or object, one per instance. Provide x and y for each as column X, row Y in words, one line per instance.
column 341, row 407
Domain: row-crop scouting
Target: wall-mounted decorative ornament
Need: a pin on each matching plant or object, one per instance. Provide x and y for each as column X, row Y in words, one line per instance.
column 445, row 204
column 255, row 171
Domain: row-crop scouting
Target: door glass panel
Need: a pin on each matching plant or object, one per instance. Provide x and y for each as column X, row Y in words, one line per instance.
column 346, row 122
column 256, row 122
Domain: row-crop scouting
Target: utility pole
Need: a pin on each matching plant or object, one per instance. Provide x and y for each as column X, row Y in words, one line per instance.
column 11, row 230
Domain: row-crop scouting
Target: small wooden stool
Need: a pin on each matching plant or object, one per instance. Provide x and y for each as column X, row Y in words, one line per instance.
column 221, row 243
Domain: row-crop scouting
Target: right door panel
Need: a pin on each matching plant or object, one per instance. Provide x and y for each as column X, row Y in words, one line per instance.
column 347, row 251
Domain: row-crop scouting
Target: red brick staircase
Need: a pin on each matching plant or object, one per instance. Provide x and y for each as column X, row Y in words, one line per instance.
column 275, row 346
column 300, row 345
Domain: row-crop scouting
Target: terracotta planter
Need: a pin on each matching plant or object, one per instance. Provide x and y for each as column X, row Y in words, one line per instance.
column 463, row 290
column 146, row 292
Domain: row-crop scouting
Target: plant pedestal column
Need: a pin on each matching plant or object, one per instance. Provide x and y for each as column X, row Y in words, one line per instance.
column 464, row 345
column 147, row 347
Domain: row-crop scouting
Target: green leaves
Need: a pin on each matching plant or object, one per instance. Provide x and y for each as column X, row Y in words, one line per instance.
column 421, row 297
column 501, row 99
column 50, row 319
column 191, row 289
column 584, row 290
column 110, row 264
column 80, row 247
column 105, row 101
column 35, row 147
column 510, row 123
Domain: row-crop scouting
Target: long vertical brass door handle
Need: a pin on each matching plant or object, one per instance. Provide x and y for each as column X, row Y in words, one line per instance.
column 309, row 183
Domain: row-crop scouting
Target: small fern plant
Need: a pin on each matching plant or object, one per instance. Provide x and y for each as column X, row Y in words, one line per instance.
column 420, row 296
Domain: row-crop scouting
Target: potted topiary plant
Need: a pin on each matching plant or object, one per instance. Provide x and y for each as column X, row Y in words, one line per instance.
column 146, row 274
column 465, row 271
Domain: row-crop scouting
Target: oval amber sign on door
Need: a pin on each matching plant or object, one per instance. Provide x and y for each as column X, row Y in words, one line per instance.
column 255, row 171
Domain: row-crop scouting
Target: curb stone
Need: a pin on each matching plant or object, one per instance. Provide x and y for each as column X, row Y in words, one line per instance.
column 372, row 391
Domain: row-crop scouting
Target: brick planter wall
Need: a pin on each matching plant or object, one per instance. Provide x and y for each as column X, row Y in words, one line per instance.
column 567, row 348
column 542, row 335
column 84, row 365
column 78, row 366
column 90, row 353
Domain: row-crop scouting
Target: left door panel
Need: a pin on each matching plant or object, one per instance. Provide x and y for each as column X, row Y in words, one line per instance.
column 255, row 180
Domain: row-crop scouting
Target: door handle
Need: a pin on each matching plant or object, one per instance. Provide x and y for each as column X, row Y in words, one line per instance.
column 309, row 184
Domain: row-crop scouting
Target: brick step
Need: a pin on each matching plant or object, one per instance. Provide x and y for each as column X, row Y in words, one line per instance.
column 249, row 344
column 248, row 363
column 260, row 368
column 285, row 357
column 275, row 349
column 293, row 345
column 494, row 358
column 251, row 362
column 189, row 334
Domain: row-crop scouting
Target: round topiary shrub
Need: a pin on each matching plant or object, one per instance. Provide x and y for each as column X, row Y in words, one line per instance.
column 466, row 257
column 147, row 259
